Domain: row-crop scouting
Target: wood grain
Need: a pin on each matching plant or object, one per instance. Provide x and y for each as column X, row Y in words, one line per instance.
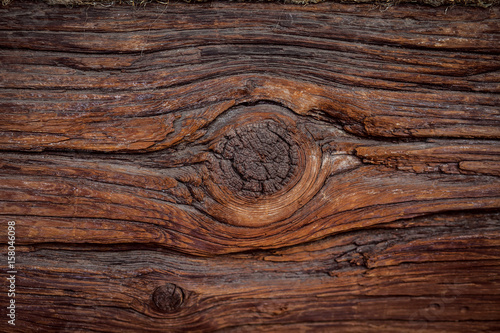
column 243, row 167
column 423, row 282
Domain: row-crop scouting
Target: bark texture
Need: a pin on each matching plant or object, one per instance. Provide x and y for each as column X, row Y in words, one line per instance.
column 252, row 167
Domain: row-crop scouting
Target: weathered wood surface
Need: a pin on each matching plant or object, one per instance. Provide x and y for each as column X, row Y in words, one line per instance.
column 245, row 167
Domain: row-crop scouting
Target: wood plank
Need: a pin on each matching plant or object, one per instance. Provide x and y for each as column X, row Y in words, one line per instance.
column 434, row 273
column 107, row 74
column 269, row 167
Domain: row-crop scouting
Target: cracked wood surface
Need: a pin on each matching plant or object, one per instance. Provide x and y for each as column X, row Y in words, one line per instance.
column 238, row 167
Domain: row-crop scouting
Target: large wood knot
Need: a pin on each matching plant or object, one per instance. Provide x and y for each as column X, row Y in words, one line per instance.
column 258, row 159
column 264, row 167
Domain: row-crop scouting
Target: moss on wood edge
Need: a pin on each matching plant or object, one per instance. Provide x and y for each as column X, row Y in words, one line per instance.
column 383, row 3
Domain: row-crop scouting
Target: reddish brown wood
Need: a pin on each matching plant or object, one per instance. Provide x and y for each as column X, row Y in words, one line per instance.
column 252, row 167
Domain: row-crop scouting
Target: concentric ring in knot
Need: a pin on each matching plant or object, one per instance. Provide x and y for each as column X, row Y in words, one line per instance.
column 258, row 159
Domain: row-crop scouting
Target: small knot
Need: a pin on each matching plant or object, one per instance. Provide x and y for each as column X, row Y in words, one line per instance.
column 168, row 298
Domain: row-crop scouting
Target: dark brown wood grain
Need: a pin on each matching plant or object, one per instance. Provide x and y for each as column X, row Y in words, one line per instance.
column 429, row 274
column 252, row 167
